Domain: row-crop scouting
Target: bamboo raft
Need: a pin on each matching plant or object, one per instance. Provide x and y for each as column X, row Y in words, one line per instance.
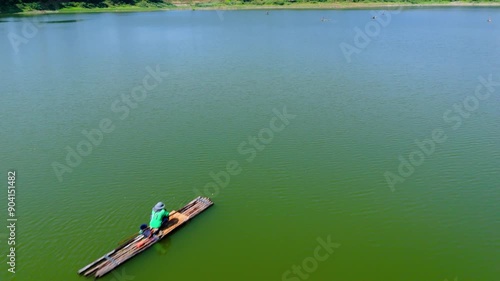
column 139, row 243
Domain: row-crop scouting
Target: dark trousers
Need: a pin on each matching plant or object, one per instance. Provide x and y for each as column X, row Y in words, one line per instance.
column 164, row 221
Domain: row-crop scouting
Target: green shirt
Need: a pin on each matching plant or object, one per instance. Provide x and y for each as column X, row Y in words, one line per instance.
column 157, row 218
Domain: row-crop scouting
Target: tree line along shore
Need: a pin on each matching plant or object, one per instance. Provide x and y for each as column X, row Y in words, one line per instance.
column 68, row 6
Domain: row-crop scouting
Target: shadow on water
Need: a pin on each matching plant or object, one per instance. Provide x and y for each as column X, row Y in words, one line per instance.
column 61, row 21
column 47, row 22
column 163, row 245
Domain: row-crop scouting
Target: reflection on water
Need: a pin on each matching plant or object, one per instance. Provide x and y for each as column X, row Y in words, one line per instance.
column 35, row 20
column 61, row 21
column 163, row 245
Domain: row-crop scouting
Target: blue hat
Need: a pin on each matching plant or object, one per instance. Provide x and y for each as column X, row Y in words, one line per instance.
column 159, row 206
column 144, row 226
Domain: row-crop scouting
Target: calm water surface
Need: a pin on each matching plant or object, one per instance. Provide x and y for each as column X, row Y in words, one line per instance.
column 321, row 176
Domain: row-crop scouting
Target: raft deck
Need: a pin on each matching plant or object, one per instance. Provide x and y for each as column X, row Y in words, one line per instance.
column 136, row 245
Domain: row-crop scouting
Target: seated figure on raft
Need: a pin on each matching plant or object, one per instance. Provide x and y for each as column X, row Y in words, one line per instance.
column 145, row 231
column 159, row 217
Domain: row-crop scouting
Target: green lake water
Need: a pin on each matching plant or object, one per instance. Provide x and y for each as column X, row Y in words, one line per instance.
column 319, row 175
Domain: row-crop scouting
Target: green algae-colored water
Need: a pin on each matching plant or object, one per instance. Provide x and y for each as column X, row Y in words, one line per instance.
column 301, row 120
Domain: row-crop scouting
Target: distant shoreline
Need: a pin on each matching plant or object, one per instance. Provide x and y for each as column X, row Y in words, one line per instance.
column 287, row 6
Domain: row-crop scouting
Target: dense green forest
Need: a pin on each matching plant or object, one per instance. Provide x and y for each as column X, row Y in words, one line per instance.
column 15, row 6
column 27, row 5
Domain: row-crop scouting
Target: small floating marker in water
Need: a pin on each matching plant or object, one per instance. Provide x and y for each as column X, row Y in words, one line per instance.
column 489, row 20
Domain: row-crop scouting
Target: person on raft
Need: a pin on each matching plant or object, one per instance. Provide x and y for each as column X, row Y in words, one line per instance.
column 145, row 230
column 159, row 217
